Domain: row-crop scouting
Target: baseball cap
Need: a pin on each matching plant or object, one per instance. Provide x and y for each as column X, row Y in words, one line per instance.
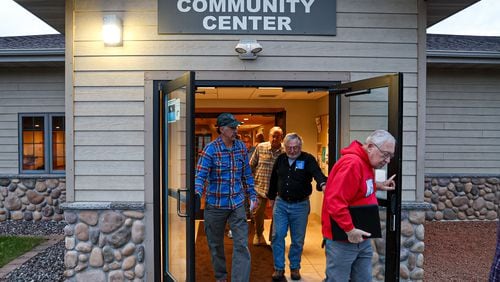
column 227, row 119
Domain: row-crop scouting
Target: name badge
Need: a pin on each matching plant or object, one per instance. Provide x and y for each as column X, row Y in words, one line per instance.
column 369, row 187
column 299, row 164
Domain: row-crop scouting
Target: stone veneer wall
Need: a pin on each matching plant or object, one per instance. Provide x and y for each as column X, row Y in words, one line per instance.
column 412, row 244
column 104, row 242
column 32, row 198
column 462, row 197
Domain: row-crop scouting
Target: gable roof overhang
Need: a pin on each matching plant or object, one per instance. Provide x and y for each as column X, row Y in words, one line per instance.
column 438, row 10
column 52, row 12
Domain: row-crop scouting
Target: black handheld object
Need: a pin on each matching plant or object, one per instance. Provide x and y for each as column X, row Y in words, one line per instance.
column 365, row 218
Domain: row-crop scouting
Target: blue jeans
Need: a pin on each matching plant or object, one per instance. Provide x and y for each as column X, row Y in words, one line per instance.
column 215, row 223
column 346, row 261
column 294, row 216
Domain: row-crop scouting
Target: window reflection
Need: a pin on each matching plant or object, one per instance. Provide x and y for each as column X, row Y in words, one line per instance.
column 42, row 143
column 58, row 143
column 33, row 143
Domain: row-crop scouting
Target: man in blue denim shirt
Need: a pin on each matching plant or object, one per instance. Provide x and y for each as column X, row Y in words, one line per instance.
column 223, row 166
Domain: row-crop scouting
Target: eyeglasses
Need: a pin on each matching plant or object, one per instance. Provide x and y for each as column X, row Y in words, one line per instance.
column 385, row 154
column 293, row 148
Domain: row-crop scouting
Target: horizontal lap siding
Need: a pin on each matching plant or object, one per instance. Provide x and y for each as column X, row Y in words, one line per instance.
column 463, row 122
column 373, row 38
column 25, row 90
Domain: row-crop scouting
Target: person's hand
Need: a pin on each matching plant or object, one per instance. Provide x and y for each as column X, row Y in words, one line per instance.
column 197, row 202
column 356, row 235
column 253, row 205
column 387, row 185
column 320, row 186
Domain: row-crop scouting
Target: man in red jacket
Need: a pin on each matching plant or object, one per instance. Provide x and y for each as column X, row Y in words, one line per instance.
column 351, row 182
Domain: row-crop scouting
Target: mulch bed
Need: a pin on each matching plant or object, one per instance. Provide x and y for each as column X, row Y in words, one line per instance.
column 459, row 251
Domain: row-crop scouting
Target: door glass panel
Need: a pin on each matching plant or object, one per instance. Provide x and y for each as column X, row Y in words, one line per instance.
column 175, row 140
column 366, row 113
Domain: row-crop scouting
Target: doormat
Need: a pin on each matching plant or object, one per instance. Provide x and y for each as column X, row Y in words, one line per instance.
column 262, row 257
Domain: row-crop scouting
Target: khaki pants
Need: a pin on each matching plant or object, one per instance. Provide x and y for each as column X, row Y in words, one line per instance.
column 259, row 214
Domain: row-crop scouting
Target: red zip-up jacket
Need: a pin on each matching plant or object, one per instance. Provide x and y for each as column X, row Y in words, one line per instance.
column 351, row 182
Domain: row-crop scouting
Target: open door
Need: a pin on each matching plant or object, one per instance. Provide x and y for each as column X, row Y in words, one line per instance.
column 355, row 110
column 174, row 178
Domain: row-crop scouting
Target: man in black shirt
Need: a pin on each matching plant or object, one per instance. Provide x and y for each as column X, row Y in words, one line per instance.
column 291, row 186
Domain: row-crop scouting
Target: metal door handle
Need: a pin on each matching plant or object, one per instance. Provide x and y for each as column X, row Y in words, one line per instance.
column 179, row 213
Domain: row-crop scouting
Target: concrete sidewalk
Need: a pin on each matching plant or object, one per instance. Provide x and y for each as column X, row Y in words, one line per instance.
column 17, row 262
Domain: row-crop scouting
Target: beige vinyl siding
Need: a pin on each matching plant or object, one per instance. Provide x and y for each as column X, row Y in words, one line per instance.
column 463, row 122
column 25, row 90
column 373, row 38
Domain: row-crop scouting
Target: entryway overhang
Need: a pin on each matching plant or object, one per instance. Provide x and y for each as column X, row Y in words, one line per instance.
column 52, row 12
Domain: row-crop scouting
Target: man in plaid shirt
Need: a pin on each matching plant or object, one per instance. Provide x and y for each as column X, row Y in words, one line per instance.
column 495, row 267
column 262, row 165
column 223, row 166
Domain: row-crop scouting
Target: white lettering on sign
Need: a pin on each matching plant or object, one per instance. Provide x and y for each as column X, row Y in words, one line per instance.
column 269, row 21
column 236, row 6
column 246, row 23
column 242, row 6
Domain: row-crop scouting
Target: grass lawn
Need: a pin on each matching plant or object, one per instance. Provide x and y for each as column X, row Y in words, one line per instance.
column 12, row 246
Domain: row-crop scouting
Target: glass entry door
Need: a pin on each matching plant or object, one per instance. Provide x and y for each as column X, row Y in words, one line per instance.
column 355, row 110
column 176, row 179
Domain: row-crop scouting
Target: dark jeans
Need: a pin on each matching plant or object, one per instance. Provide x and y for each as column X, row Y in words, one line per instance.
column 215, row 222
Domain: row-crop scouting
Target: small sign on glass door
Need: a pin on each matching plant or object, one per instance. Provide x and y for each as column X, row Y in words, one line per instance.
column 174, row 106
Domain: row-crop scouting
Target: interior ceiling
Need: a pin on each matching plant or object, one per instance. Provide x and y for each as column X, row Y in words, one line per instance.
column 52, row 11
column 251, row 93
column 250, row 121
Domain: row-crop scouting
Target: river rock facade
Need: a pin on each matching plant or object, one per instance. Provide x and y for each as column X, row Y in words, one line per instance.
column 32, row 198
column 104, row 242
column 462, row 198
column 412, row 245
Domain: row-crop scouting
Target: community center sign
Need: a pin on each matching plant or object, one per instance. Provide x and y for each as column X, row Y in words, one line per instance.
column 286, row 17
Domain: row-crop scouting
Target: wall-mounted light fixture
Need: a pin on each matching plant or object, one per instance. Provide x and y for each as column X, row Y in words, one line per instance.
column 112, row 31
column 248, row 49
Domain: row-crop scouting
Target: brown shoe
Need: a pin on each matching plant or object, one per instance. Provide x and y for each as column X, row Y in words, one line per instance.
column 295, row 274
column 259, row 240
column 279, row 275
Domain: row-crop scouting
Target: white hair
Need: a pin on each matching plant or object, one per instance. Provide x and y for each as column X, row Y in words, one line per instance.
column 379, row 137
column 291, row 136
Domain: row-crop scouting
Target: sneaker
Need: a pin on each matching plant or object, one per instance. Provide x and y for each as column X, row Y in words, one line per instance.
column 230, row 234
column 279, row 275
column 259, row 240
column 221, row 280
column 295, row 274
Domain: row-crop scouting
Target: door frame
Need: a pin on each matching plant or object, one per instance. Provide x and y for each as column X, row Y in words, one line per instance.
column 160, row 89
column 239, row 79
column 394, row 82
